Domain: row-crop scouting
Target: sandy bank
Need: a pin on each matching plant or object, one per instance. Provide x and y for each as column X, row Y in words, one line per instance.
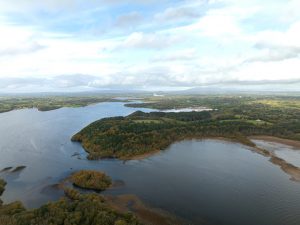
column 292, row 143
column 285, row 166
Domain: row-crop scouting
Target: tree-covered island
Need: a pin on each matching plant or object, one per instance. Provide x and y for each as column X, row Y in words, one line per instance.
column 89, row 179
column 73, row 209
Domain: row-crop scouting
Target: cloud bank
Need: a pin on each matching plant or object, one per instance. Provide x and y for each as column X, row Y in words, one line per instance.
column 89, row 45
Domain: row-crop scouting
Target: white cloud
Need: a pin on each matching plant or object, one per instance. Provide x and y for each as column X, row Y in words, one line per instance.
column 178, row 13
column 23, row 48
column 223, row 42
column 274, row 53
column 181, row 55
column 150, row 41
column 30, row 6
column 268, row 71
column 129, row 20
column 290, row 37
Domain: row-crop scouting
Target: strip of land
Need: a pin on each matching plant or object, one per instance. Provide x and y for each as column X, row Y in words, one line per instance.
column 294, row 143
column 287, row 167
column 52, row 102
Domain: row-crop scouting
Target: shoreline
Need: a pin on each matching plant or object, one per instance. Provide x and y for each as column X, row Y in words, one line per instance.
column 141, row 156
column 61, row 105
column 156, row 152
column 286, row 167
column 239, row 140
column 293, row 143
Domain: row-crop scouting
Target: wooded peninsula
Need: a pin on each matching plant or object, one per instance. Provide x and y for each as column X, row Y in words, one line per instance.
column 232, row 117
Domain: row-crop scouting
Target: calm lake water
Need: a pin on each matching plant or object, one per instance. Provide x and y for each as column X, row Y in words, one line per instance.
column 209, row 180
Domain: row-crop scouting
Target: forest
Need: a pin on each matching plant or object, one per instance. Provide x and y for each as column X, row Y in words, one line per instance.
column 73, row 209
column 93, row 180
column 234, row 118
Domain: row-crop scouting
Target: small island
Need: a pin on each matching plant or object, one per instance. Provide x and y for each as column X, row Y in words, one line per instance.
column 89, row 179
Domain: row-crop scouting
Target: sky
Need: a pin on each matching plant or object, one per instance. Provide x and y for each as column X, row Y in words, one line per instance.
column 82, row 45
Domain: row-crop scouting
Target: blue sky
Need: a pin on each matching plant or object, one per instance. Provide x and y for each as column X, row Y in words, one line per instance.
column 75, row 45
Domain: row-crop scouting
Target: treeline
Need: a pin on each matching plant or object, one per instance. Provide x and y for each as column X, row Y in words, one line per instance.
column 180, row 116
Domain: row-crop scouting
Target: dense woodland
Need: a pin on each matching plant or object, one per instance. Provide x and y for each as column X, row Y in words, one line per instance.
column 232, row 117
column 75, row 209
column 89, row 179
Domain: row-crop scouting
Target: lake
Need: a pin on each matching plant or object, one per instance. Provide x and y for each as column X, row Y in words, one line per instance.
column 199, row 180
